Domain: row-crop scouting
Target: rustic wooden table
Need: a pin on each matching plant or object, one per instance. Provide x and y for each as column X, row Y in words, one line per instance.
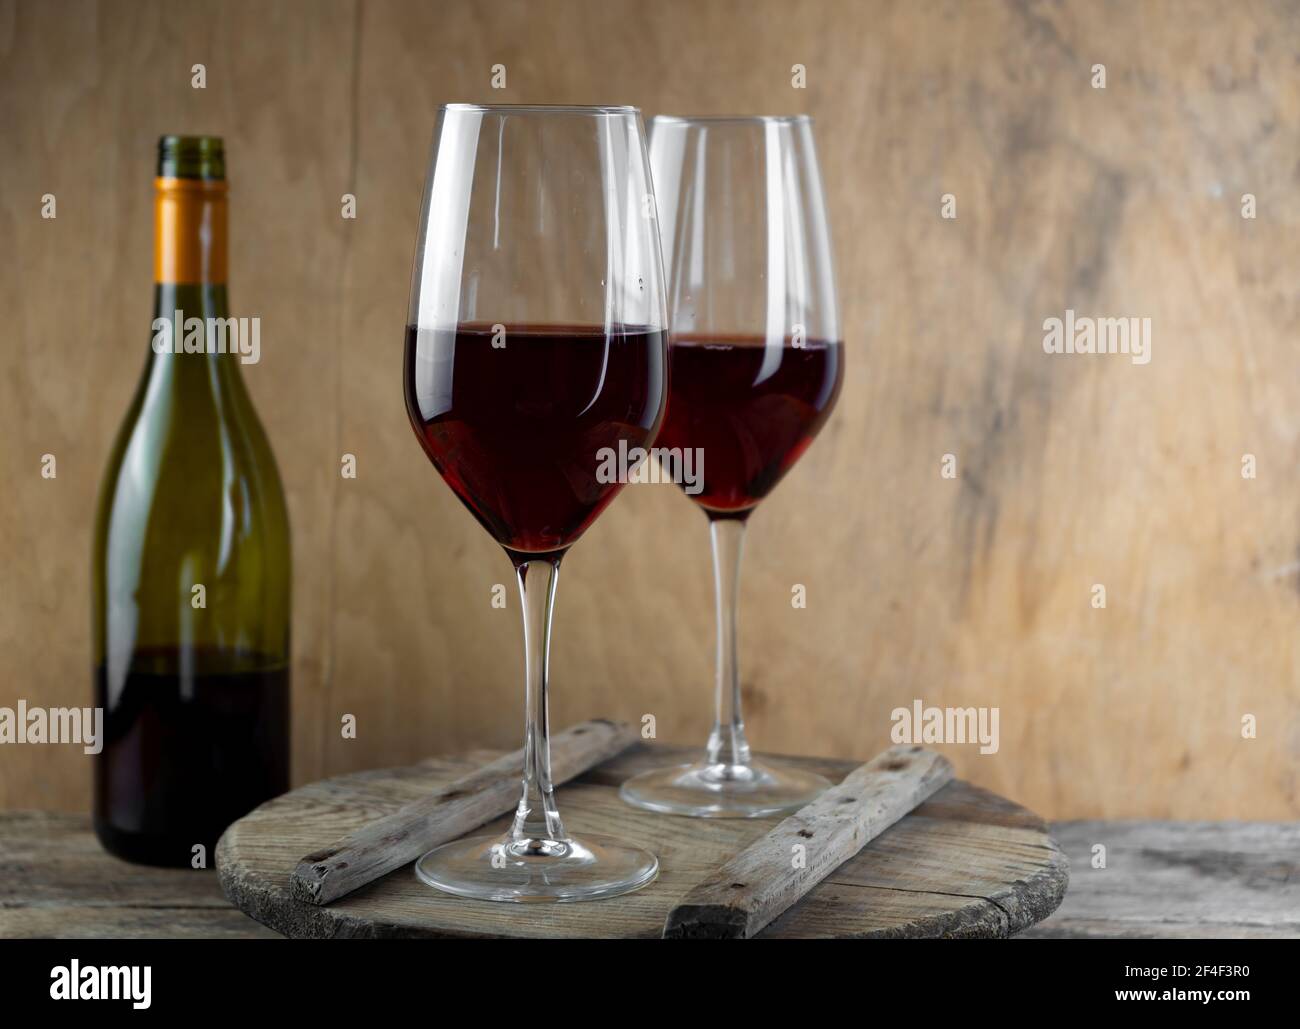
column 1162, row 879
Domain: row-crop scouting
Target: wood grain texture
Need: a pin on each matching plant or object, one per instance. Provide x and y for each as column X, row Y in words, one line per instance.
column 56, row 881
column 753, row 887
column 1174, row 880
column 968, row 592
column 442, row 815
column 1163, row 879
column 967, row 863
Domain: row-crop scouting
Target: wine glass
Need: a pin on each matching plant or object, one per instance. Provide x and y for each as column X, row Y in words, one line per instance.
column 535, row 347
column 755, row 364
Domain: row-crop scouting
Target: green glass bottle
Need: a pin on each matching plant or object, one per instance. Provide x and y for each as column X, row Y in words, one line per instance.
column 191, row 565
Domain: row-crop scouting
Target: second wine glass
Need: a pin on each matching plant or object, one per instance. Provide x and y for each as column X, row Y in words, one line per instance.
column 755, row 365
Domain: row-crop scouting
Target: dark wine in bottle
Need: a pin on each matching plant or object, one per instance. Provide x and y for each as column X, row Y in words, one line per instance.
column 191, row 565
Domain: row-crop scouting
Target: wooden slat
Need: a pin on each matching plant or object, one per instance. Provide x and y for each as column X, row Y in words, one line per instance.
column 755, row 886
column 465, row 803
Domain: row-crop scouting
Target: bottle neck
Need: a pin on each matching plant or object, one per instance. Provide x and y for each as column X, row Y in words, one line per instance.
column 189, row 231
column 191, row 324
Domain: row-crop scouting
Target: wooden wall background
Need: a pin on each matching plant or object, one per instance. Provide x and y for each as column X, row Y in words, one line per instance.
column 974, row 591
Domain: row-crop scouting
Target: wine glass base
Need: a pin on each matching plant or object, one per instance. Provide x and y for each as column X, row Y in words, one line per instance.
column 496, row 868
column 703, row 790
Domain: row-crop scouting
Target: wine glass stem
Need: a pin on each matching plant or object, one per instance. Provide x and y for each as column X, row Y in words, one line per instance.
column 727, row 743
column 537, row 817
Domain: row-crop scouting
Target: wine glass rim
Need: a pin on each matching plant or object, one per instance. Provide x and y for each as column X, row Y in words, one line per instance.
column 714, row 119
column 598, row 110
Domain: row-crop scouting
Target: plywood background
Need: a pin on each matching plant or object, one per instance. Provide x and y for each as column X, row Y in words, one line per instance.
column 974, row 591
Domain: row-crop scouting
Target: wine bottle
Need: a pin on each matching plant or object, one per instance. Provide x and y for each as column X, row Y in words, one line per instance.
column 191, row 565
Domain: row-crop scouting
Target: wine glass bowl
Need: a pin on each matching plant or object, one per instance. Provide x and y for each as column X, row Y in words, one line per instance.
column 751, row 422
column 536, row 347
column 755, row 365
column 517, row 436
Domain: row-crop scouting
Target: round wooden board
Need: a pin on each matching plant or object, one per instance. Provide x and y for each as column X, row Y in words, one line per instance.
column 965, row 863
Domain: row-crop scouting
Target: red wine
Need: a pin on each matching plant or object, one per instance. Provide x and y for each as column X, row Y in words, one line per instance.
column 189, row 747
column 751, row 408
column 517, row 430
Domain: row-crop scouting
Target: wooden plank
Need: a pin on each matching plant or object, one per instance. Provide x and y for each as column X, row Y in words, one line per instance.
column 447, row 813
column 99, row 922
column 57, row 882
column 755, row 886
column 1070, row 471
column 1179, row 879
column 992, row 868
